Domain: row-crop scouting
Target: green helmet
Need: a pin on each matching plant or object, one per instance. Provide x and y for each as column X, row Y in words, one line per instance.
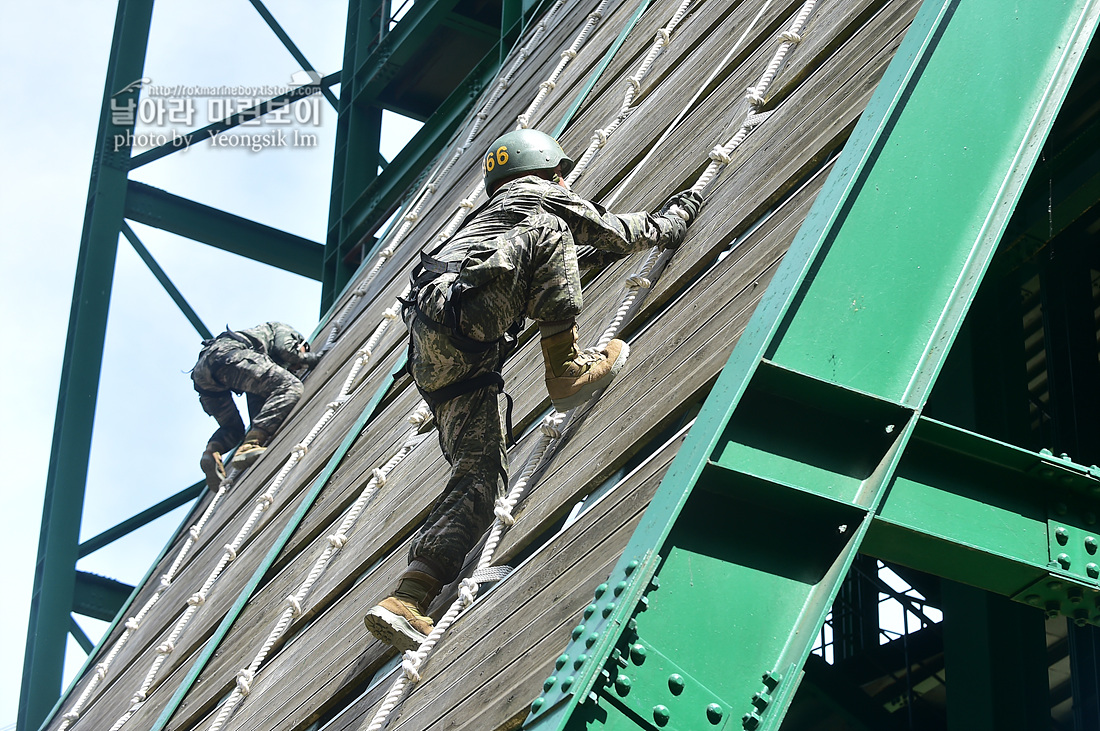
column 523, row 151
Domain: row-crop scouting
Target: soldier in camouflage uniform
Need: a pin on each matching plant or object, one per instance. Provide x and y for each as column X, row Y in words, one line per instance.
column 256, row 362
column 514, row 258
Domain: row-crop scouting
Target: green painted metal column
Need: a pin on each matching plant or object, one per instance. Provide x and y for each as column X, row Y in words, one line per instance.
column 55, row 571
column 770, row 498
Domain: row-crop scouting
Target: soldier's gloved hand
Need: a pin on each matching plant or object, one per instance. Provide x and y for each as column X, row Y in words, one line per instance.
column 685, row 204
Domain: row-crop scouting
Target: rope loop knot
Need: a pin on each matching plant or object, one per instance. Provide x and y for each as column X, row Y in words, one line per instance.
column 789, row 36
column 569, row 53
column 549, row 429
column 637, row 281
column 294, row 605
column 411, row 216
column 635, row 83
column 720, row 156
column 503, row 510
column 265, row 500
column 664, row 36
column 754, row 96
column 467, row 592
column 338, row 540
column 230, row 552
column 379, row 476
column 244, row 681
column 548, row 85
column 410, row 665
column 299, row 450
column 599, row 137
column 197, row 599
column 165, row 581
column 387, row 252
column 465, row 203
column 166, row 648
column 195, row 532
column 133, row 624
column 391, row 313
column 71, row 716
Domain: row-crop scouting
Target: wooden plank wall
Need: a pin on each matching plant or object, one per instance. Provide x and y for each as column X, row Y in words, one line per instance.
column 492, row 663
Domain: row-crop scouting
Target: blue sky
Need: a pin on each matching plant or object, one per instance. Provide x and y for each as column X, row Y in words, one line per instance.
column 149, row 429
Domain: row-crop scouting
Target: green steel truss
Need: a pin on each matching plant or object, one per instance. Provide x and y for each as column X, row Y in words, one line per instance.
column 815, row 446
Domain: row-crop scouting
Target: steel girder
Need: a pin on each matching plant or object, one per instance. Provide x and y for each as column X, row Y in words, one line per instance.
column 813, row 445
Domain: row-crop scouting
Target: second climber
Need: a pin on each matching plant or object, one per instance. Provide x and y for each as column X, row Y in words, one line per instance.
column 513, row 258
column 257, row 362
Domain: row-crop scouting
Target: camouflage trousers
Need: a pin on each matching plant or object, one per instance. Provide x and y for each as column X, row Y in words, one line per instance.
column 227, row 366
column 530, row 271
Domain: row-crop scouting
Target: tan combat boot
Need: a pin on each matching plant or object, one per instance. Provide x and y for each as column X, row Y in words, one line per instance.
column 250, row 450
column 399, row 622
column 212, row 466
column 574, row 376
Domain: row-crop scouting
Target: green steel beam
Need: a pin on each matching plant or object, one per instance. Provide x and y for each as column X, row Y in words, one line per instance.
column 162, row 277
column 54, row 581
column 143, row 518
column 290, row 46
column 770, row 498
column 81, row 638
column 99, row 597
column 372, row 73
column 163, row 210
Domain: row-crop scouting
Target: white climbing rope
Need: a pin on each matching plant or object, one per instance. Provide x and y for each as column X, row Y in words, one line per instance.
column 420, row 416
column 550, row 432
column 634, row 85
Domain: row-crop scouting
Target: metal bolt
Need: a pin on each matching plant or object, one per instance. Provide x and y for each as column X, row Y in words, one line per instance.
column 591, row 639
column 567, row 684
column 637, row 654
column 1052, row 609
column 750, row 721
column 622, row 685
column 600, row 590
column 1062, row 535
column 660, row 715
column 537, row 704
column 549, row 683
column 560, row 662
column 607, row 610
column 761, row 701
column 1064, row 560
column 1090, row 544
column 714, row 713
column 1032, row 599
column 1065, row 456
column 1054, row 585
column 654, row 584
column 632, row 625
column 1081, row 617
column 630, row 567
column 771, row 680
column 577, row 631
column 676, row 684
column 589, row 611
column 643, row 604
column 619, row 588
column 579, row 661
column 1075, row 595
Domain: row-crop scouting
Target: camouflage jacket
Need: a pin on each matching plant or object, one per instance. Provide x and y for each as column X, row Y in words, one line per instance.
column 276, row 340
column 612, row 235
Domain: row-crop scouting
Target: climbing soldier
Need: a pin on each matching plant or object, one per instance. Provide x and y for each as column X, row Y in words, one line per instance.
column 513, row 258
column 257, row 362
